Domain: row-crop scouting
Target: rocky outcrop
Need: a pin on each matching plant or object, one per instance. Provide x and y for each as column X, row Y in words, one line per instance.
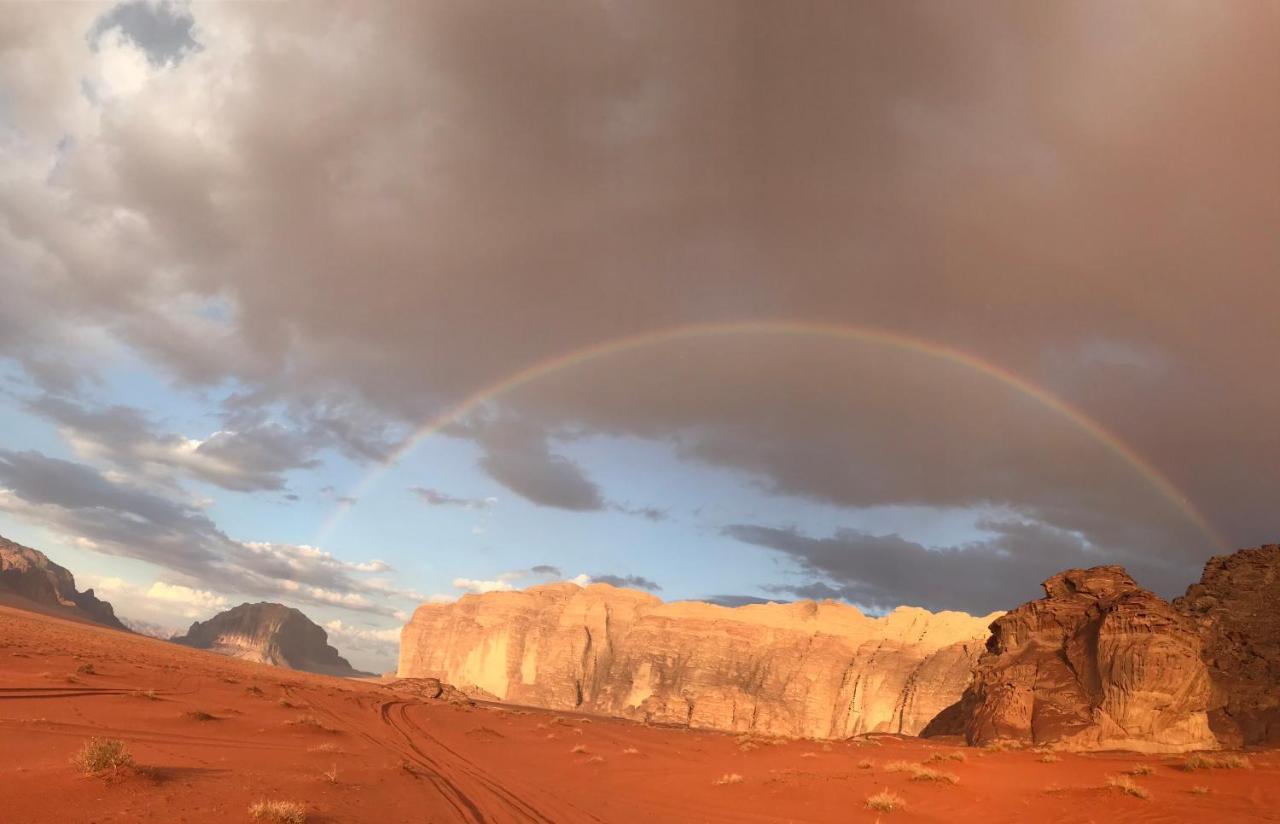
column 1236, row 610
column 268, row 634
column 820, row 670
column 1098, row 663
column 29, row 574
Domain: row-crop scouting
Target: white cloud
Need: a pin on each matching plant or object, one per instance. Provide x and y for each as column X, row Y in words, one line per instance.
column 178, row 594
column 481, row 587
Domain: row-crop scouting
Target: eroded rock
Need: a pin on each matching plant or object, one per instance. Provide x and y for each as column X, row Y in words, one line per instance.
column 1236, row 610
column 29, row 574
column 1098, row 663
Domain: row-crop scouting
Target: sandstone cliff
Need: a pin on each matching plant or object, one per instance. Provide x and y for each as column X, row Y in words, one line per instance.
column 1236, row 609
column 1098, row 663
column 268, row 634
column 30, row 575
column 820, row 670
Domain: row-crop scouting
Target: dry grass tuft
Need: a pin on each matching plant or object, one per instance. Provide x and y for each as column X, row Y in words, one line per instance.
column 101, row 754
column 728, row 778
column 630, row 751
column 331, row 775
column 150, row 695
column 927, row 774
column 199, row 715
column 1141, row 769
column 1199, row 790
column 1048, row 758
column 808, row 755
column 885, row 802
column 281, row 812
column 1001, row 746
column 325, row 747
column 1126, row 786
column 945, row 756
column 86, row 669
column 1205, row 761
column 596, row 759
column 866, row 764
column 919, row 772
column 578, row 748
column 253, row 690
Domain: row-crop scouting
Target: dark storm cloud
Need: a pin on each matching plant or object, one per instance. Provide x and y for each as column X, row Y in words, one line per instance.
column 119, row 519
column 525, row 465
column 739, row 600
column 883, row 571
column 547, row 570
column 161, row 28
column 627, row 581
column 1082, row 193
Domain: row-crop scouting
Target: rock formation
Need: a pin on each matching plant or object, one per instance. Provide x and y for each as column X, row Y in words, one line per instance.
column 1098, row 663
column 819, row 670
column 1236, row 609
column 268, row 634
column 30, row 575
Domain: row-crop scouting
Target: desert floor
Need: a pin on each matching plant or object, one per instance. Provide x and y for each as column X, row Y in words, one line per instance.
column 354, row 751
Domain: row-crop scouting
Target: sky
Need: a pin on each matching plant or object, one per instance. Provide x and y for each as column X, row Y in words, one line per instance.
column 357, row 306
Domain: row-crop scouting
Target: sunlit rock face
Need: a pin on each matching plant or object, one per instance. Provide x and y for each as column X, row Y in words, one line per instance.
column 820, row 670
column 268, row 634
column 29, row 574
column 1236, row 610
column 1098, row 663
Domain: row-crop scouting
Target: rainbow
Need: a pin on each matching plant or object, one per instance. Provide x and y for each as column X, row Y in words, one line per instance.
column 864, row 334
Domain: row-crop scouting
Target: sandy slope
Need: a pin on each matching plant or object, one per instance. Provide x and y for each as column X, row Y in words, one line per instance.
column 399, row 759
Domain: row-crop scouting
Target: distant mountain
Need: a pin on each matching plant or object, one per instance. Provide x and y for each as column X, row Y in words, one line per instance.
column 29, row 578
column 269, row 634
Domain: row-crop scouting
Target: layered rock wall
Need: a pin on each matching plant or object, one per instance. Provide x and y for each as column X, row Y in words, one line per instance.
column 818, row 670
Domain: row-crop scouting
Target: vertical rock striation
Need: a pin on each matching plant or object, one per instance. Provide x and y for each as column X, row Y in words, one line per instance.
column 818, row 670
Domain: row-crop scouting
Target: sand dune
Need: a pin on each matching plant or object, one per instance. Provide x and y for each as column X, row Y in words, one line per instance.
column 357, row 751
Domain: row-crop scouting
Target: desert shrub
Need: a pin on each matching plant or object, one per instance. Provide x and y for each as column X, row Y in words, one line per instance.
column 101, row 754
column 280, row 812
column 199, row 715
column 1126, row 786
column 885, row 802
column 927, row 774
column 729, row 778
column 630, row 751
column 1141, row 769
column 945, row 756
column 1048, row 758
column 900, row 766
column 866, row 764
column 86, row 669
column 1200, row 790
column 1207, row 761
column 310, row 722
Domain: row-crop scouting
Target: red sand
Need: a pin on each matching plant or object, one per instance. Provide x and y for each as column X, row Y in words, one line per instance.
column 398, row 759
